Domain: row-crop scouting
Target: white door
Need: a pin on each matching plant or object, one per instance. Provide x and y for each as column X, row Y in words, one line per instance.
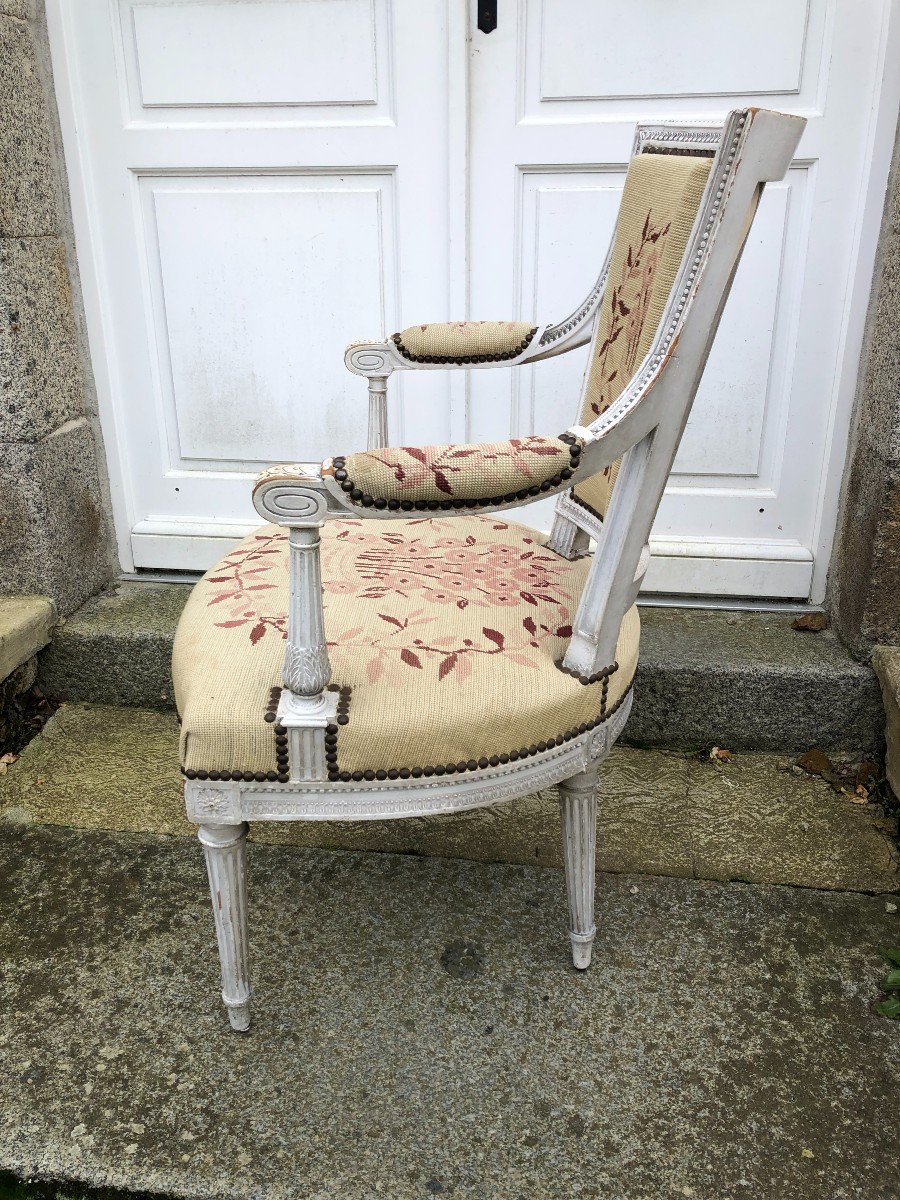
column 257, row 182
column 556, row 89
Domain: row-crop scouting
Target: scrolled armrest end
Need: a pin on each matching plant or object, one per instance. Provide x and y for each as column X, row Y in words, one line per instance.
column 291, row 494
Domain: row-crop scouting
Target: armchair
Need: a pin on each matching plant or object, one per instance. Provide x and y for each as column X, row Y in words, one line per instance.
column 446, row 657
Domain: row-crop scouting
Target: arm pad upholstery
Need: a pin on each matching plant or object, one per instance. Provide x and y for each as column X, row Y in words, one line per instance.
column 461, row 476
column 464, row 341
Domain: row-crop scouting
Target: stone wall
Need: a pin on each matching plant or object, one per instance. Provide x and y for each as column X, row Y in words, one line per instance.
column 864, row 580
column 55, row 531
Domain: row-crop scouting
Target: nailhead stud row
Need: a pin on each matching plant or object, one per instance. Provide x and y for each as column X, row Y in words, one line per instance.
column 444, row 359
column 684, row 150
column 587, row 679
column 473, row 764
column 359, row 497
column 280, row 775
column 587, row 507
column 342, row 717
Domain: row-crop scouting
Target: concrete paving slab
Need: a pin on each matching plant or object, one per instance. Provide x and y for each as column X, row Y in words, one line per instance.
column 723, row 1046
column 100, row 767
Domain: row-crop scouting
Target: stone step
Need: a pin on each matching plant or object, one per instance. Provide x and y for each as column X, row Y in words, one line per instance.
column 742, row 680
column 661, row 812
column 418, row 1031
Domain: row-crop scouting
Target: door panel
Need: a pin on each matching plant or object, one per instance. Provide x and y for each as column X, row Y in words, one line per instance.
column 608, row 50
column 247, row 220
column 311, row 252
column 201, row 55
column 556, row 91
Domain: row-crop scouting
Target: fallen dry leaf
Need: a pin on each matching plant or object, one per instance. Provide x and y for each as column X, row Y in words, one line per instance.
column 860, row 795
column 9, row 758
column 717, row 754
column 813, row 622
column 867, row 773
column 816, row 762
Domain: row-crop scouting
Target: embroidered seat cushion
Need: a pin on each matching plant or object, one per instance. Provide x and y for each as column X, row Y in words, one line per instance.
column 410, row 477
column 465, row 341
column 444, row 636
column 660, row 202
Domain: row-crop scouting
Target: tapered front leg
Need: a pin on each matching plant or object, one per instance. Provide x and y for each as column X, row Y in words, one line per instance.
column 578, row 803
column 225, row 851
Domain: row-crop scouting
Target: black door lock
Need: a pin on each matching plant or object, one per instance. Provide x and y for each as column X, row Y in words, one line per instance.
column 487, row 15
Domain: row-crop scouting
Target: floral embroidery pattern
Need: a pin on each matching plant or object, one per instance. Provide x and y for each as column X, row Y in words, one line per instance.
column 471, row 331
column 501, row 465
column 627, row 320
column 405, row 580
column 241, row 576
column 446, row 572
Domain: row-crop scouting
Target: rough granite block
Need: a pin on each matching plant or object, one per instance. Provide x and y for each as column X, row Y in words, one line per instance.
column 748, row 681
column 41, row 385
column 53, row 536
column 743, row 681
column 117, row 649
column 864, row 598
column 28, row 206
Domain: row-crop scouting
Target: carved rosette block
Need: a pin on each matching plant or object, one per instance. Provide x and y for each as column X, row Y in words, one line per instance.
column 224, row 850
column 578, row 806
column 212, row 803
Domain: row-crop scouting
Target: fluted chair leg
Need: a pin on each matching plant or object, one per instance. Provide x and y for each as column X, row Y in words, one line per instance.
column 578, row 804
column 225, row 852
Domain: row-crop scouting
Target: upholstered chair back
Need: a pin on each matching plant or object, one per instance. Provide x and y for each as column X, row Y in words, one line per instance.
column 660, row 201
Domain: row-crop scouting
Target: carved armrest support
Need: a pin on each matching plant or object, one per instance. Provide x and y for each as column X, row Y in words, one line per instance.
column 294, row 495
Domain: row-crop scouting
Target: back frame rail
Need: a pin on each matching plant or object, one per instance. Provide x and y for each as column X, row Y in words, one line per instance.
column 755, row 146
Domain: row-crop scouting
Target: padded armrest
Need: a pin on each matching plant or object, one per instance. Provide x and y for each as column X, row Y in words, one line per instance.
column 463, row 476
column 464, row 341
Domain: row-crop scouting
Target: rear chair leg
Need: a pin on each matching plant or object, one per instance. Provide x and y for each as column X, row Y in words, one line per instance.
column 578, row 803
column 567, row 539
column 224, row 849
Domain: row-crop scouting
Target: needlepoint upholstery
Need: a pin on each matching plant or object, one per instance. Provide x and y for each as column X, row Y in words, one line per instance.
column 444, row 636
column 660, row 202
column 462, row 341
column 418, row 476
